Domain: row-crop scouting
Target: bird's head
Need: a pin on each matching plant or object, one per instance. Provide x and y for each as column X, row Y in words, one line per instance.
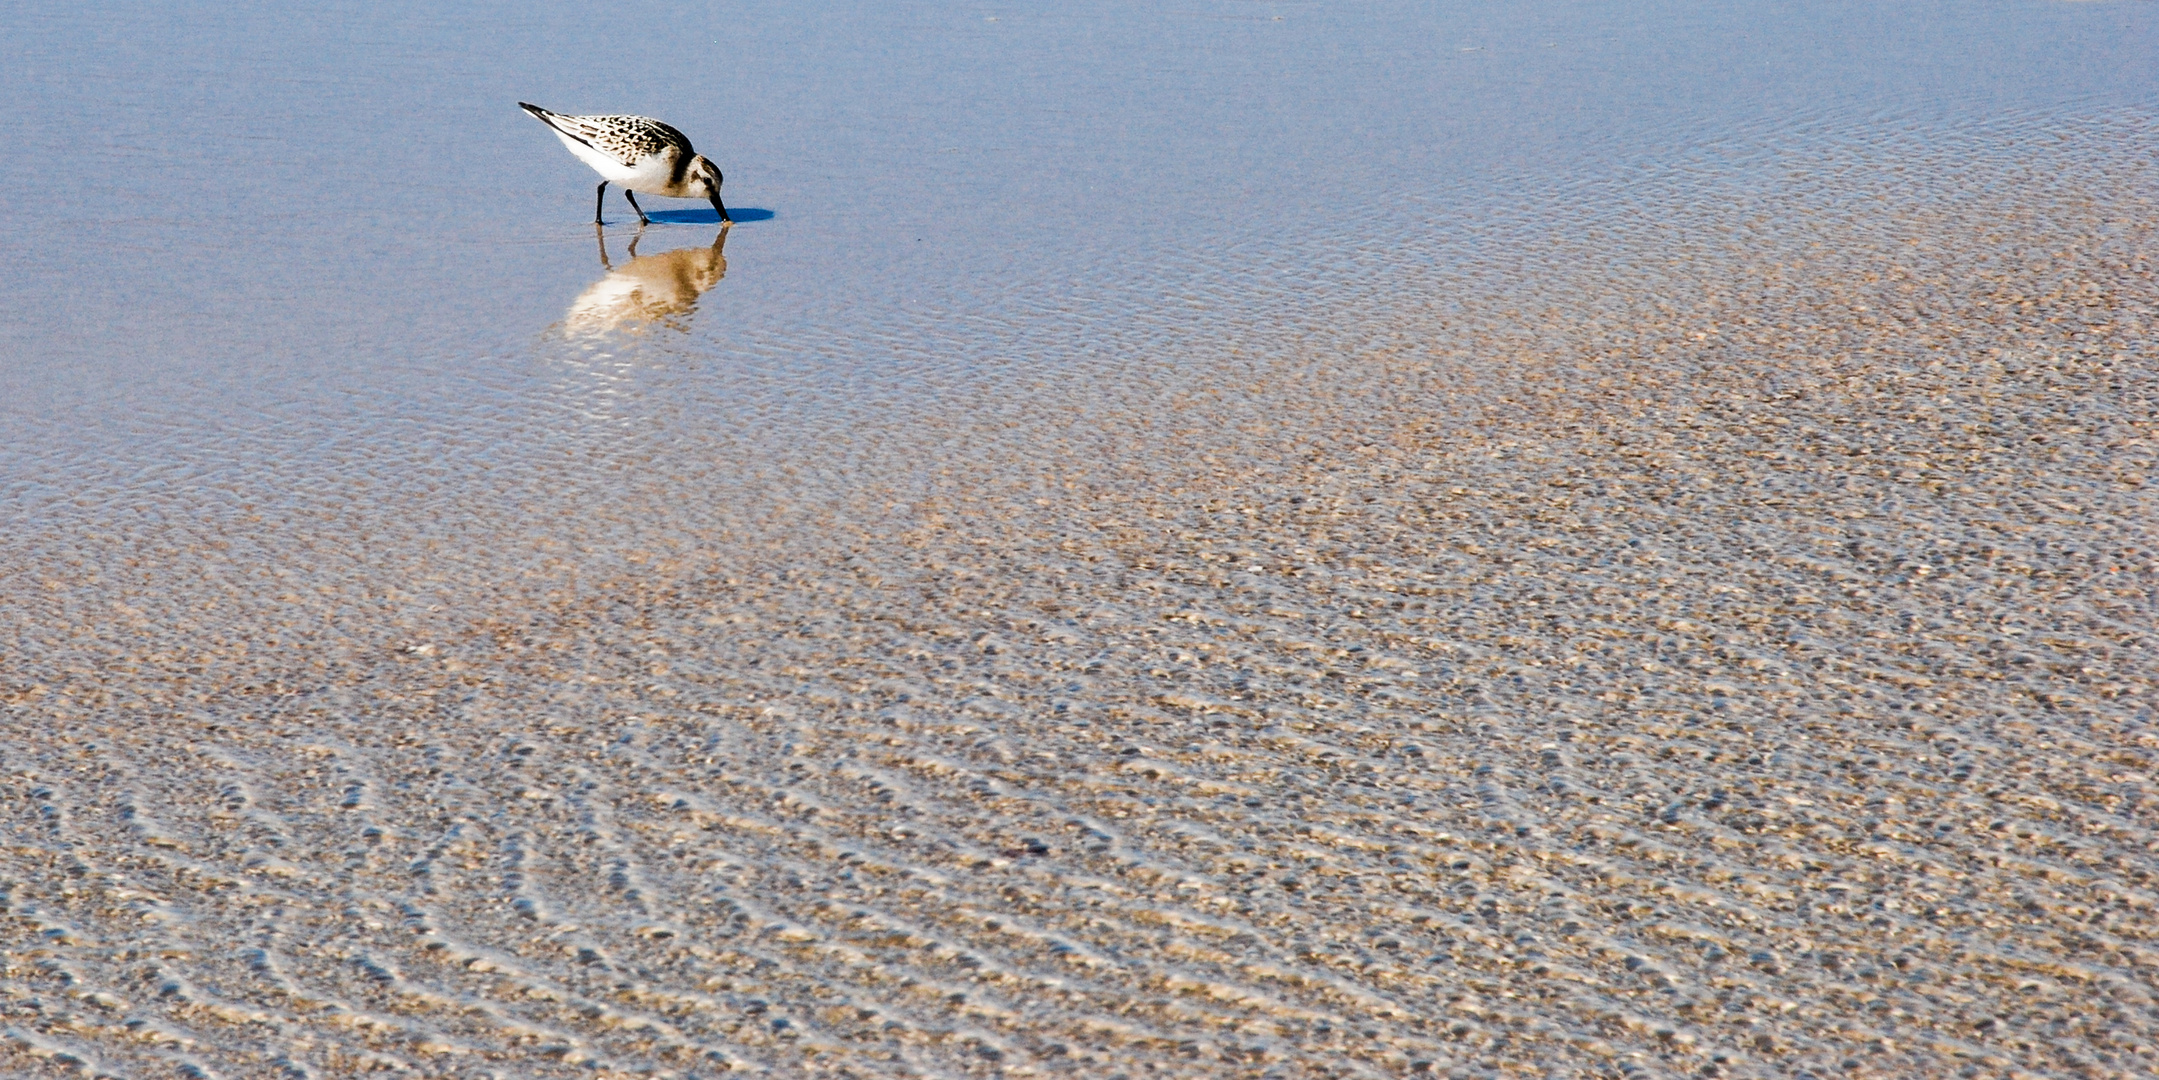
column 704, row 177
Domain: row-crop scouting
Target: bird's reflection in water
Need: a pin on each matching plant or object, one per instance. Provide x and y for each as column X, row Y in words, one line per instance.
column 648, row 290
column 597, row 379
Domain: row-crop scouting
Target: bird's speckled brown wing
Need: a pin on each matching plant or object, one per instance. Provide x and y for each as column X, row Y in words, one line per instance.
column 627, row 139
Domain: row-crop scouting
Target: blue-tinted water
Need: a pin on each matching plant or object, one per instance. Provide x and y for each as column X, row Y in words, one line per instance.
column 1258, row 539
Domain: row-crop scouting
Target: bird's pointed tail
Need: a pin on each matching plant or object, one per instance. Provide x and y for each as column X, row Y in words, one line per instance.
column 566, row 126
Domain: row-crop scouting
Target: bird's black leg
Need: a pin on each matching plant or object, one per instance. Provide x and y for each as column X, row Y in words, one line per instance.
column 641, row 218
column 598, row 202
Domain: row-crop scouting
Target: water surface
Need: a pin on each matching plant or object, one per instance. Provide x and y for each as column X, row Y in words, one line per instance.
column 1263, row 539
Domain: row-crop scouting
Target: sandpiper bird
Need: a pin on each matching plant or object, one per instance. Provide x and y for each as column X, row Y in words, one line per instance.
column 639, row 153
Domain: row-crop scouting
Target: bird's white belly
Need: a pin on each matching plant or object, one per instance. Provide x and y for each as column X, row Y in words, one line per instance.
column 650, row 174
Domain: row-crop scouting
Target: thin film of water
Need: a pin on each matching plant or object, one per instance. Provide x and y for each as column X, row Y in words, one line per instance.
column 1267, row 540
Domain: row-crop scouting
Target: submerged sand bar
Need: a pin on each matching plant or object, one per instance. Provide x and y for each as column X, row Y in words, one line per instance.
column 1688, row 615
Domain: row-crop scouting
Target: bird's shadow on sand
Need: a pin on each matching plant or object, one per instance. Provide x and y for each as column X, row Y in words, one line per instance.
column 708, row 216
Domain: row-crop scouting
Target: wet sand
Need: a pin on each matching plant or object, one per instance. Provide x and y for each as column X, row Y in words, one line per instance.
column 1691, row 615
column 1703, row 641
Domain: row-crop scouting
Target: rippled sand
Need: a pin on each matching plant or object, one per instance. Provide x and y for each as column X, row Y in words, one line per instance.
column 1263, row 540
column 1692, row 620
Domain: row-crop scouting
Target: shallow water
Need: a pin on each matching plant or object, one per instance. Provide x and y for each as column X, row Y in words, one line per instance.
column 1267, row 539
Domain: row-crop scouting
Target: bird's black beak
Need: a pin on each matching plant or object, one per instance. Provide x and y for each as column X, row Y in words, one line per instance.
column 722, row 208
